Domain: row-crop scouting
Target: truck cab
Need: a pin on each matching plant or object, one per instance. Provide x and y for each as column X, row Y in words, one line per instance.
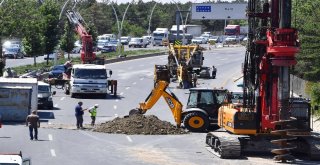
column 89, row 79
column 45, row 95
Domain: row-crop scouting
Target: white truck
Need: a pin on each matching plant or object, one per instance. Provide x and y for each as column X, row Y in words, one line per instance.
column 194, row 30
column 160, row 36
column 14, row 159
column 90, row 79
column 23, row 82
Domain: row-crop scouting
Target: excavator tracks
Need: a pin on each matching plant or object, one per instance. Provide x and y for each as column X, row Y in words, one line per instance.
column 223, row 144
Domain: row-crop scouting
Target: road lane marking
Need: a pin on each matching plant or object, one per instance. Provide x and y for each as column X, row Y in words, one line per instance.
column 134, row 83
column 141, row 78
column 127, row 88
column 121, row 94
column 117, row 100
column 222, row 59
column 114, row 107
column 53, row 153
column 49, row 123
column 55, row 105
column 62, row 98
column 50, row 137
column 129, row 139
column 141, row 65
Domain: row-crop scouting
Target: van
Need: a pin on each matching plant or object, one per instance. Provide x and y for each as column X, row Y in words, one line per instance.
column 45, row 95
column 138, row 42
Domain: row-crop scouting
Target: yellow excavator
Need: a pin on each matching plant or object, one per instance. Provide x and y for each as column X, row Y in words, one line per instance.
column 200, row 113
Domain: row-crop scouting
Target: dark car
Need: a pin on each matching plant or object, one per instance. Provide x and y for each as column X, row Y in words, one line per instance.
column 110, row 47
column 57, row 71
column 13, row 52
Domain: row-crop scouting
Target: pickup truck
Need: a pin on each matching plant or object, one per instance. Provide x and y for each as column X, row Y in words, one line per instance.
column 14, row 159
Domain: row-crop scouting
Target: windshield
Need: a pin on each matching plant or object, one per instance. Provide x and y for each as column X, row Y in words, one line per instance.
column 43, row 88
column 12, row 49
column 90, row 73
column 230, row 31
column 192, row 102
column 136, row 39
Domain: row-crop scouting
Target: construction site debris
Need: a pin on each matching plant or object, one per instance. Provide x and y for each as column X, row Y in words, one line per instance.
column 139, row 124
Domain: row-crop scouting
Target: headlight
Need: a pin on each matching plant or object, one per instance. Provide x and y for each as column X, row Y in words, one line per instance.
column 40, row 95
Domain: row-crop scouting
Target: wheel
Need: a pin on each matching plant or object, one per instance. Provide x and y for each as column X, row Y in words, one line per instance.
column 72, row 95
column 67, row 89
column 196, row 122
column 50, row 106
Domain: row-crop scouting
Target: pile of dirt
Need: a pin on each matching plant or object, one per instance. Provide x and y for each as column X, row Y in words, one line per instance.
column 139, row 124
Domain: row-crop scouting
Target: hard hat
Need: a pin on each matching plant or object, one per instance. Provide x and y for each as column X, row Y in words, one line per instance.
column 96, row 105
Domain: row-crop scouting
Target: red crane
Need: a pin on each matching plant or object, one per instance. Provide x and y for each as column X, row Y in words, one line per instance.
column 87, row 53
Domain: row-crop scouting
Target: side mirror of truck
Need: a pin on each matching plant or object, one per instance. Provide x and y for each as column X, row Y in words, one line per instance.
column 54, row 92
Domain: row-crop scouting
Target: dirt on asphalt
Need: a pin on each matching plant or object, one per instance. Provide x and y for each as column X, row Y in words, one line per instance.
column 139, row 124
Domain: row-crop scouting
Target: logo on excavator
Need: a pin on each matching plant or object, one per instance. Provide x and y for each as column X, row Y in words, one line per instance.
column 170, row 103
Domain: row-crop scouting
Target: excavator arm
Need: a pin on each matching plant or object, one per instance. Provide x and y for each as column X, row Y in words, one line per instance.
column 158, row 91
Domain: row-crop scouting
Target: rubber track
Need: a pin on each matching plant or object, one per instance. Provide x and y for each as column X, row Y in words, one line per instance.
column 229, row 143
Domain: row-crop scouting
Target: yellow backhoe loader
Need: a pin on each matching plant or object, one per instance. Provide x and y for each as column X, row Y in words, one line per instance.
column 200, row 113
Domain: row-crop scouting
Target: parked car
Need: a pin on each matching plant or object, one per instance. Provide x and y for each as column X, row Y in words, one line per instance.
column 206, row 37
column 45, row 95
column 13, row 52
column 110, row 47
column 57, row 71
column 125, row 40
column 232, row 39
column 148, row 38
column 198, row 40
column 101, row 44
column 138, row 42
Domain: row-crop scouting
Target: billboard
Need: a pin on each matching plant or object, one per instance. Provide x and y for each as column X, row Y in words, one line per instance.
column 218, row 11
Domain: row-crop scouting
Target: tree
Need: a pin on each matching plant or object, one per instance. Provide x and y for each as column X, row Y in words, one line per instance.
column 50, row 11
column 67, row 39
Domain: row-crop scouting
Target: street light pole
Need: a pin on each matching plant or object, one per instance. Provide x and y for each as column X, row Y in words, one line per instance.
column 64, row 5
column 150, row 18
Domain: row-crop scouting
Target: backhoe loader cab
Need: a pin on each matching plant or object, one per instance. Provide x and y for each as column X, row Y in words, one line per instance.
column 202, row 108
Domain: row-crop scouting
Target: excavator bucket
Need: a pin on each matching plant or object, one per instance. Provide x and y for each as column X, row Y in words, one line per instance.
column 134, row 111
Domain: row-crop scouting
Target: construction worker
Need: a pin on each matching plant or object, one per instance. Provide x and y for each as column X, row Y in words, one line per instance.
column 93, row 113
column 33, row 122
column 79, row 114
column 214, row 72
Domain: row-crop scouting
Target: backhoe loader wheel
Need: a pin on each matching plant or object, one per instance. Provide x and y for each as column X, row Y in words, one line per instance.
column 196, row 122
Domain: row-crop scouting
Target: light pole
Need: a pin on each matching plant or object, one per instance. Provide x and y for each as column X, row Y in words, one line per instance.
column 181, row 18
column 150, row 18
column 1, row 2
column 64, row 5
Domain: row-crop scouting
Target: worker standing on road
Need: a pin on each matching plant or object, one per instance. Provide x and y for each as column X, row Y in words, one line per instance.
column 214, row 72
column 33, row 122
column 93, row 113
column 79, row 114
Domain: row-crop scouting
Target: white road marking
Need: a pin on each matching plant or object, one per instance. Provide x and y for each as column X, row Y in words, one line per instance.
column 134, row 83
column 62, row 98
column 49, row 123
column 141, row 78
column 55, row 105
column 222, row 59
column 117, row 100
column 115, row 115
column 129, row 139
column 114, row 107
column 50, row 137
column 127, row 88
column 121, row 94
column 53, row 153
column 141, row 65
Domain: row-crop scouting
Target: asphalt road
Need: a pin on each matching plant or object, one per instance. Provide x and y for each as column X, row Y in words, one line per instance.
column 135, row 79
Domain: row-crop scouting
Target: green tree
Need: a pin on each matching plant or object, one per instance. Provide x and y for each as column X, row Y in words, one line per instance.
column 50, row 11
column 67, row 39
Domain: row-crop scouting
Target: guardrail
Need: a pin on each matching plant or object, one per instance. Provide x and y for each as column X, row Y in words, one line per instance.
column 126, row 58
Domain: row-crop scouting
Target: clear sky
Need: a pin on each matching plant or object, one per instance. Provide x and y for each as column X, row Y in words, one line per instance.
column 167, row 1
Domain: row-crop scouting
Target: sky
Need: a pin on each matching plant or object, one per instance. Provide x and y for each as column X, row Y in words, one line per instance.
column 167, row 1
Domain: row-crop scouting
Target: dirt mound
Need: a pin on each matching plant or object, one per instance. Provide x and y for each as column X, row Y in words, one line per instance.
column 139, row 124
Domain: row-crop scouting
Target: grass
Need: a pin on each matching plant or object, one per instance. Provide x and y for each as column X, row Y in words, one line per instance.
column 43, row 65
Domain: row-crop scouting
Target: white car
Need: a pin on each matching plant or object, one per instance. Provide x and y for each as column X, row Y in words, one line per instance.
column 198, row 40
column 138, row 42
column 232, row 39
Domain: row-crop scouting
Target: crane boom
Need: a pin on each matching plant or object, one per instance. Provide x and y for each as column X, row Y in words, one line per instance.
column 87, row 54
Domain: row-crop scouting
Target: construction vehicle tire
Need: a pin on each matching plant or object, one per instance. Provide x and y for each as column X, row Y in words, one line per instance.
column 196, row 122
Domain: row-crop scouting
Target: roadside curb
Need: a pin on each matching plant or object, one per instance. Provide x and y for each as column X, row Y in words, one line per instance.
column 109, row 61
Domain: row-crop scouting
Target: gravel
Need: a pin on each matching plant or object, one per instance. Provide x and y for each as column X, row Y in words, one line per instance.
column 139, row 124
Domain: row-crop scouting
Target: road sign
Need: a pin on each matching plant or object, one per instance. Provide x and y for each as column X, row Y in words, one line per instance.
column 218, row 11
